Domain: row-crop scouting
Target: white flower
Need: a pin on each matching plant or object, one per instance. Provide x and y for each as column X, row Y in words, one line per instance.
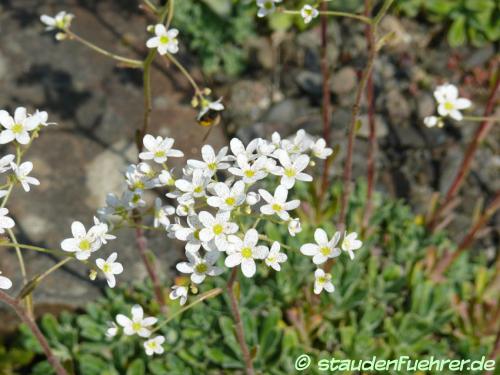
column 6, row 163
column 61, row 20
column 292, row 171
column 300, row 143
column 308, row 13
column 199, row 267
column 322, row 281
column 5, row 282
column 238, row 148
column 42, row 117
column 5, row 221
column 162, row 213
column 211, row 162
column 110, row 268
column 207, row 105
column 432, row 121
column 252, row 198
column 166, row 178
column 320, row 150
column 159, row 149
column 191, row 235
column 164, row 40
column 196, row 187
column 17, row 127
column 138, row 324
column 227, row 198
column 351, row 243
column 216, row 228
column 154, row 345
column 449, row 104
column 323, row 249
column 266, row 7
column 21, row 171
column 83, row 243
column 294, row 227
column 245, row 252
column 185, row 206
column 278, row 204
column 275, row 257
column 100, row 230
column 112, row 330
column 140, row 176
column 249, row 173
column 179, row 292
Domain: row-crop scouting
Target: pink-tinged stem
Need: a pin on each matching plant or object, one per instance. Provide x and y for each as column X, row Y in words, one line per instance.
column 54, row 362
column 481, row 133
column 326, row 110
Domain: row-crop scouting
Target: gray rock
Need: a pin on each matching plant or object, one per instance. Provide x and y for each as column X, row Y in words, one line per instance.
column 380, row 127
column 310, row 82
column 344, row 80
column 397, row 105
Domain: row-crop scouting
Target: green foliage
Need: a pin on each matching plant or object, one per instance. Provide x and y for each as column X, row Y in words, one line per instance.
column 216, row 31
column 476, row 21
column 384, row 305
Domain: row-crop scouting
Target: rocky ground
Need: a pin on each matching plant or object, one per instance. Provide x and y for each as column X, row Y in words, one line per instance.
column 98, row 106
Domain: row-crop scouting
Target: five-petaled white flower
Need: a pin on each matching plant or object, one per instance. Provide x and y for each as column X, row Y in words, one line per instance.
column 180, row 292
column 164, row 40
column 322, row 281
column 449, row 104
column 245, row 252
column 191, row 234
column 159, row 149
column 138, row 325
column 227, row 198
column 351, row 243
column 275, row 257
column 266, row 7
column 100, row 230
column 6, row 163
column 278, row 204
column 200, row 267
column 22, row 171
column 248, row 172
column 83, row 243
column 162, row 213
column 154, row 345
column 292, row 171
column 320, row 150
column 323, row 249
column 61, row 20
column 5, row 221
column 5, row 282
column 211, row 163
column 17, row 127
column 110, row 268
column 308, row 13
column 196, row 187
column 217, row 228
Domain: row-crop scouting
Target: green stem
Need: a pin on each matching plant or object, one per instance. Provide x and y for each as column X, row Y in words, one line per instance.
column 183, row 70
column 481, row 118
column 209, row 294
column 129, row 62
column 267, row 239
column 6, row 198
column 335, row 14
column 31, row 247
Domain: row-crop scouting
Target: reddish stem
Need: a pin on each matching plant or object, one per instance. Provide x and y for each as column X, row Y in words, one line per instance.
column 326, row 111
column 481, row 133
column 54, row 362
column 372, row 150
column 449, row 256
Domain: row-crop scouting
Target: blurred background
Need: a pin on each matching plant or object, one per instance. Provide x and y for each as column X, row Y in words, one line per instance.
column 268, row 72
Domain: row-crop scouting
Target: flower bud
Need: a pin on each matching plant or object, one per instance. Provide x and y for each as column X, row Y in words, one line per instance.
column 294, row 227
column 252, row 198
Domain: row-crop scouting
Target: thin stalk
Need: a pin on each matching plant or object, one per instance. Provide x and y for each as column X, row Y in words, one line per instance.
column 267, row 239
column 133, row 63
column 31, row 247
column 28, row 300
column 332, row 13
column 54, row 362
column 186, row 74
column 481, row 133
column 240, row 333
column 481, row 118
column 7, row 195
column 449, row 257
column 372, row 139
column 209, row 294
column 325, row 109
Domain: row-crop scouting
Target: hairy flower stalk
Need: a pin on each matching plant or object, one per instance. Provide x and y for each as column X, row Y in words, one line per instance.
column 481, row 133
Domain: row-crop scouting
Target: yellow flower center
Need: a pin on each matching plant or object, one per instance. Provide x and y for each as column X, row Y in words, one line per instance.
column 84, row 245
column 346, row 244
column 212, row 166
column 322, row 279
column 139, row 185
column 276, row 207
column 218, row 229
column 246, row 252
column 249, row 173
column 230, row 201
column 17, row 128
column 136, row 326
column 289, row 172
column 152, row 345
column 325, row 250
column 268, row 5
column 449, row 106
column 198, row 189
column 271, row 259
column 159, row 154
column 196, row 234
column 201, row 268
column 164, row 39
column 106, row 268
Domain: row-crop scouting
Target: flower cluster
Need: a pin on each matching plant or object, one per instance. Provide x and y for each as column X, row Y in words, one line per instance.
column 18, row 130
column 449, row 105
